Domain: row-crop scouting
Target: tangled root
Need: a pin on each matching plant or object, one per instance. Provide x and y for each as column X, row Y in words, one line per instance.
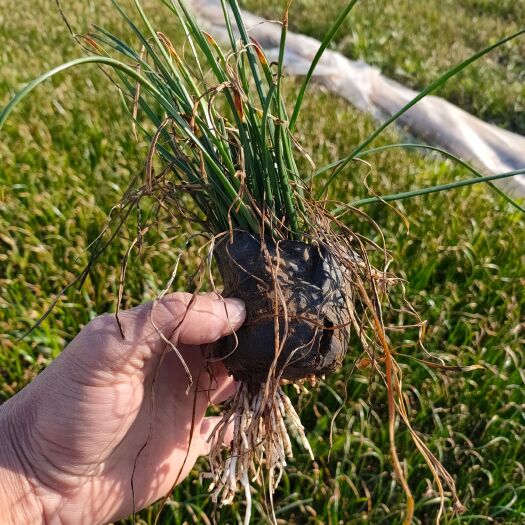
column 262, row 425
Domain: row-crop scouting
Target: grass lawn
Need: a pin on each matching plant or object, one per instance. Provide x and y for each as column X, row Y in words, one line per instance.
column 68, row 153
column 413, row 42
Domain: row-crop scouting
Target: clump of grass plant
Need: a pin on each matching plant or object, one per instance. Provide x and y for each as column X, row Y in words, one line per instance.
column 223, row 155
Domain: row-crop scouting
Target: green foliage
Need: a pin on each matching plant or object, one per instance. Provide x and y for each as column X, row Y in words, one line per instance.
column 414, row 42
column 68, row 154
column 238, row 165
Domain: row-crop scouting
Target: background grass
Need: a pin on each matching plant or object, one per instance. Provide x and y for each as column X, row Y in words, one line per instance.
column 413, row 42
column 68, row 153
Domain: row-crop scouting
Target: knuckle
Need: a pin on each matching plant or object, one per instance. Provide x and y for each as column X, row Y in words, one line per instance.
column 174, row 305
column 100, row 322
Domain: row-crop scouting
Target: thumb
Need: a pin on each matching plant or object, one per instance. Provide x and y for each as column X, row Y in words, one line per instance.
column 209, row 317
column 183, row 318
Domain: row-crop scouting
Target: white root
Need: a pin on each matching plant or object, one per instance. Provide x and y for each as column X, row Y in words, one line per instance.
column 262, row 425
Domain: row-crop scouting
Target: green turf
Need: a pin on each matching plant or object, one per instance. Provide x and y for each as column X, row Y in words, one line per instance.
column 68, row 153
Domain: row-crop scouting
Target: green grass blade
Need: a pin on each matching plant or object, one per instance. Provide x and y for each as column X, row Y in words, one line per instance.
column 205, row 47
column 229, row 28
column 431, row 189
column 429, row 89
column 173, row 8
column 249, row 50
column 324, row 44
column 281, row 138
column 112, row 62
column 155, row 38
column 450, row 156
column 170, row 79
column 280, row 60
column 116, row 64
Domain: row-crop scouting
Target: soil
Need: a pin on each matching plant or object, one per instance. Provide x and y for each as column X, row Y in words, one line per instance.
column 311, row 307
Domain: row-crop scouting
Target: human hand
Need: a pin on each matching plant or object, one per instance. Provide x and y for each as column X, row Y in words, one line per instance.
column 110, row 409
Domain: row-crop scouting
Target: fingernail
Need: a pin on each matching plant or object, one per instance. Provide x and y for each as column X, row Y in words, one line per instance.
column 236, row 310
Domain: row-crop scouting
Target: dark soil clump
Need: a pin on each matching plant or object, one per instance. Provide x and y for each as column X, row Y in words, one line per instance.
column 305, row 286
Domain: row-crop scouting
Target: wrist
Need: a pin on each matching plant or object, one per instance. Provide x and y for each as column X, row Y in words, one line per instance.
column 19, row 503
